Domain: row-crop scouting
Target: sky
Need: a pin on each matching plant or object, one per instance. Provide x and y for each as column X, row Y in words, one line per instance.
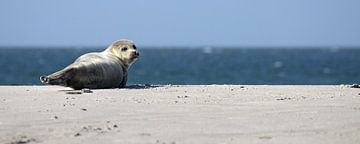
column 266, row 23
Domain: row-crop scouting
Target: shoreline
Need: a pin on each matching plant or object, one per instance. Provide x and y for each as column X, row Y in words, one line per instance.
column 181, row 114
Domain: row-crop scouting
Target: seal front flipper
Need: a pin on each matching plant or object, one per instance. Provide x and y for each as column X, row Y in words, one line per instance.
column 58, row 78
column 123, row 82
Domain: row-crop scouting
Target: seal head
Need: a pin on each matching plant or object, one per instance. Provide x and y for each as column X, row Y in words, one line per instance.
column 125, row 50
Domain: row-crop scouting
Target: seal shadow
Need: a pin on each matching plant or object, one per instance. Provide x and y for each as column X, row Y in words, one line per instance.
column 142, row 86
column 135, row 86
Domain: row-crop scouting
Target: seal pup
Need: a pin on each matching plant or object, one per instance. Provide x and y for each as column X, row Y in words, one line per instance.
column 106, row 69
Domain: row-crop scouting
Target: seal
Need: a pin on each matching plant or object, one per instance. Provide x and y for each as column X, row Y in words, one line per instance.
column 106, row 69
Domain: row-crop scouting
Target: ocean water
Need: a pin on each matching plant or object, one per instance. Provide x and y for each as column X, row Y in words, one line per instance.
column 299, row 66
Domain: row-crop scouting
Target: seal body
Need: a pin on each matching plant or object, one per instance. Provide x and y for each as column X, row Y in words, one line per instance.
column 107, row 69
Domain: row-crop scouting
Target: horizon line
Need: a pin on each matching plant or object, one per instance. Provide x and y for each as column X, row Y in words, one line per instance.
column 177, row 47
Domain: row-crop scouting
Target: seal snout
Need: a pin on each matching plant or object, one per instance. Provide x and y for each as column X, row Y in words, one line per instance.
column 135, row 54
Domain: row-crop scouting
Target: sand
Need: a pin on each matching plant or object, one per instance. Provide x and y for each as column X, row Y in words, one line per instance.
column 180, row 115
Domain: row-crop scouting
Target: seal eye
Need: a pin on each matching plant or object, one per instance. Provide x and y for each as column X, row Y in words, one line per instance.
column 124, row 49
column 134, row 46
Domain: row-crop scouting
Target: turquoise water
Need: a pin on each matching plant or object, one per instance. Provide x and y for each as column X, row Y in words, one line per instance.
column 23, row 66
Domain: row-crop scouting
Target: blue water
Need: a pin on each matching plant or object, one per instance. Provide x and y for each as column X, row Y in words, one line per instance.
column 23, row 66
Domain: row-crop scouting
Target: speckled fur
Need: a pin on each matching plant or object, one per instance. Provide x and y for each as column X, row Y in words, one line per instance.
column 107, row 69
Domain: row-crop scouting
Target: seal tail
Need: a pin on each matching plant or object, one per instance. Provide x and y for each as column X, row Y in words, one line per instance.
column 47, row 80
column 44, row 79
column 58, row 78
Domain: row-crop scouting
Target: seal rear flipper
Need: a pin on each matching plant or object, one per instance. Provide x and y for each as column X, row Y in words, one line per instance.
column 58, row 78
column 44, row 79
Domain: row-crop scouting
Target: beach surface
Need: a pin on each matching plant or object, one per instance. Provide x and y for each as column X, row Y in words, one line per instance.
column 189, row 114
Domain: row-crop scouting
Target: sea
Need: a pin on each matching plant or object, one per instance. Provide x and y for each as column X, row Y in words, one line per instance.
column 198, row 66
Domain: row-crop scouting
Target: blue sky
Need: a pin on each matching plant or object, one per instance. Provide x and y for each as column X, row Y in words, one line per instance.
column 180, row 22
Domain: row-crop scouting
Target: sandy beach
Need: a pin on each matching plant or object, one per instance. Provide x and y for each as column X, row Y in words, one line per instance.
column 180, row 114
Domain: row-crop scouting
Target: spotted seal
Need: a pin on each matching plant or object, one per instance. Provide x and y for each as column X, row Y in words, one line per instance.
column 106, row 69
